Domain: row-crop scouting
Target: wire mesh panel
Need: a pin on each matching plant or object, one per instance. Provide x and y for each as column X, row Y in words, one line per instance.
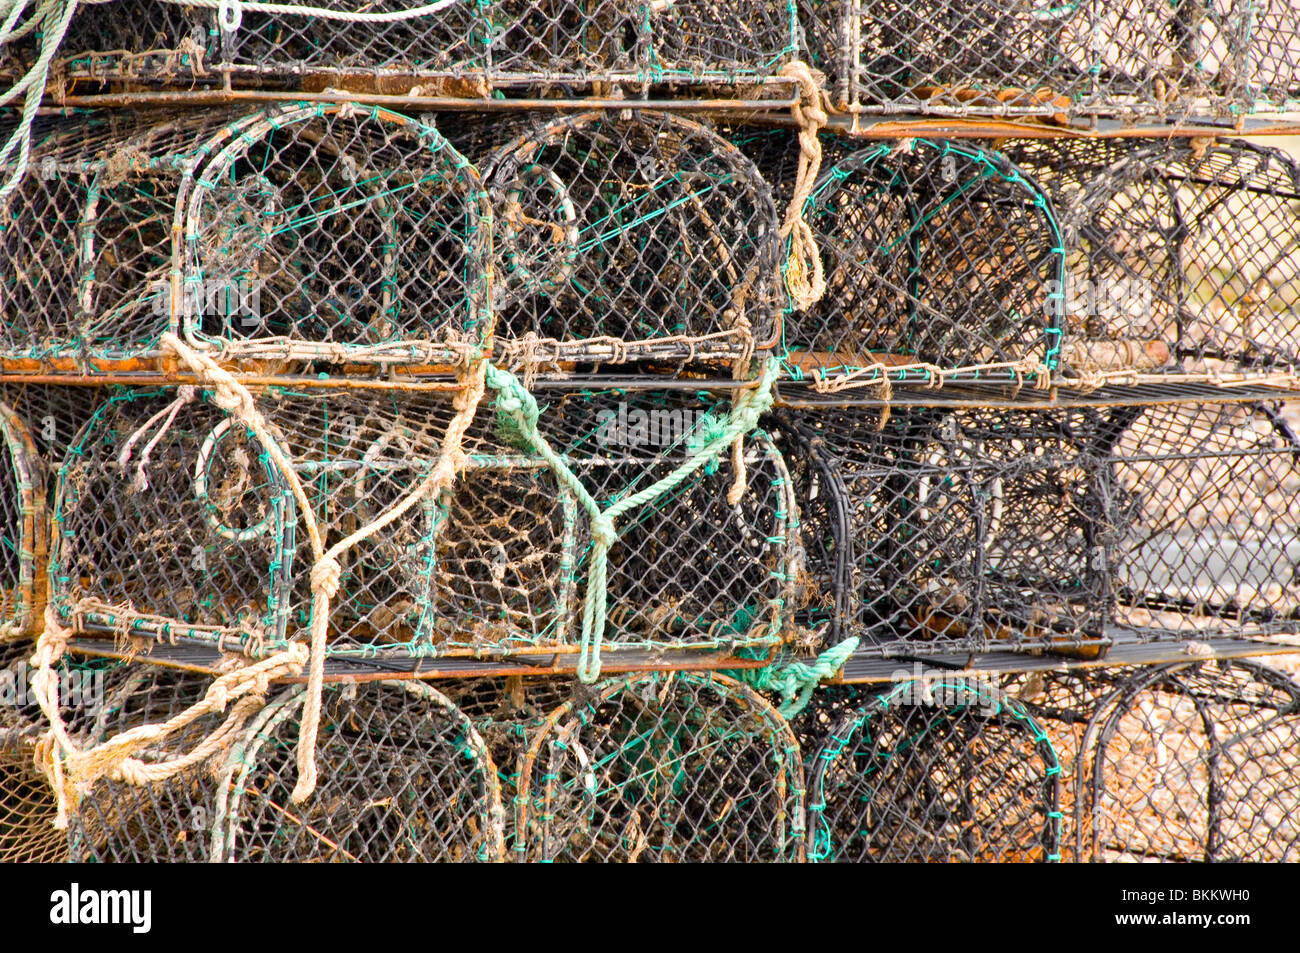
column 169, row 820
column 946, row 771
column 403, row 776
column 1182, row 259
column 322, row 231
column 1132, row 59
column 940, row 260
column 1194, row 763
column 625, row 239
column 932, row 532
column 22, row 523
column 675, row 767
column 171, row 522
column 1208, row 508
column 468, row 46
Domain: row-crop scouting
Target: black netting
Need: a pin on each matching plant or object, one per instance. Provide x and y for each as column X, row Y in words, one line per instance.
column 664, row 768
column 978, row 530
column 951, row 532
column 1192, row 762
column 1182, row 260
column 942, row 770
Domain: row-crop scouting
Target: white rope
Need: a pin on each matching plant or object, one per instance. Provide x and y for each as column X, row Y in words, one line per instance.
column 233, row 11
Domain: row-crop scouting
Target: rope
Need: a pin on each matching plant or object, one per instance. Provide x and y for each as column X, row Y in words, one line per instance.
column 230, row 13
column 52, row 17
column 805, row 277
column 796, row 680
column 233, row 397
column 516, row 404
column 72, row 770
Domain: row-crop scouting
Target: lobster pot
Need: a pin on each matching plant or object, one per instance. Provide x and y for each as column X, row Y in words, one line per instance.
column 306, row 232
column 631, row 240
column 689, row 569
column 27, row 804
column 167, row 820
column 945, row 770
column 1192, row 763
column 509, row 713
column 1182, row 260
column 940, row 260
column 463, row 47
column 1206, row 506
column 22, row 523
column 86, row 243
column 404, row 776
column 675, row 767
column 173, row 522
column 935, row 533
column 1130, row 60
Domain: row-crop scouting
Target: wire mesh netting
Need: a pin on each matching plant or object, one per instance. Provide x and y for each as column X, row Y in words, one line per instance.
column 940, row 260
column 1182, row 256
column 404, row 776
column 22, row 522
column 27, row 804
column 631, row 238
column 675, row 767
column 1190, row 762
column 1064, row 530
column 470, row 47
column 1206, row 541
column 171, row 522
column 934, row 771
column 164, row 820
column 1131, row 59
column 324, row 231
column 508, row 714
column 933, row 532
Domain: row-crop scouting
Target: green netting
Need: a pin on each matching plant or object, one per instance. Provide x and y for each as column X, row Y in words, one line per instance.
column 670, row 768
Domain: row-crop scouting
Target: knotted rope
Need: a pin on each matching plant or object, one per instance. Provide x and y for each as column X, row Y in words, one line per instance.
column 796, row 680
column 805, row 277
column 72, row 770
column 515, row 404
column 233, row 397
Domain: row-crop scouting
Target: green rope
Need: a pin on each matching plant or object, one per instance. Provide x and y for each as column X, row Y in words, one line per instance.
column 52, row 16
column 515, row 403
column 796, row 680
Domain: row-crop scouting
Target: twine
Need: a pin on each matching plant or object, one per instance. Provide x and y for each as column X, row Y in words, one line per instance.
column 72, row 770
column 516, row 404
column 805, row 278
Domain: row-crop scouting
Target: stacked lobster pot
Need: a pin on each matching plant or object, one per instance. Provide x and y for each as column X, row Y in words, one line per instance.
column 532, row 431
column 1042, row 433
column 314, row 408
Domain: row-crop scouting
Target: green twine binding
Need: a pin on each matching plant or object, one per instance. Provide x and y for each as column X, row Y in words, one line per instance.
column 514, row 403
column 796, row 680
